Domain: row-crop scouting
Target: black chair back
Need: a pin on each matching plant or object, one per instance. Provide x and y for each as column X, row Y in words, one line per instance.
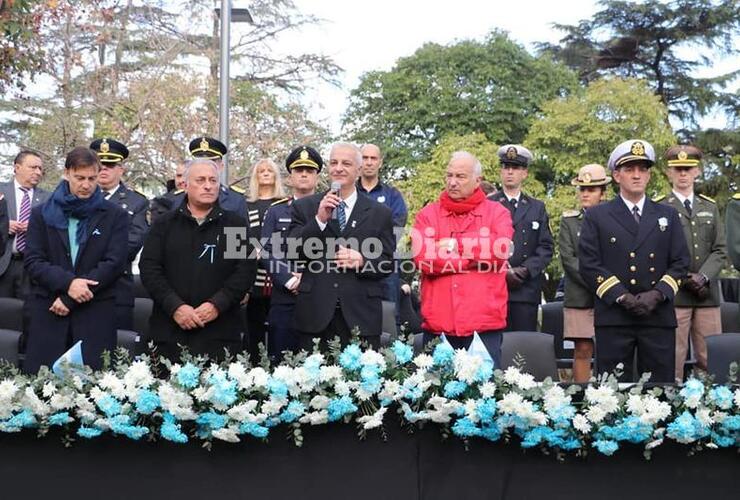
column 552, row 323
column 722, row 350
column 142, row 312
column 536, row 348
column 730, row 312
column 11, row 314
column 9, row 342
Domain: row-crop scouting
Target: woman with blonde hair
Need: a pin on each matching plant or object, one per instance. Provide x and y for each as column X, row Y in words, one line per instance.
column 265, row 188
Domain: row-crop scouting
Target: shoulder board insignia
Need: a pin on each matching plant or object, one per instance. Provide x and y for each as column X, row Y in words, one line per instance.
column 280, row 201
column 571, row 213
column 705, row 197
column 658, row 199
column 237, row 189
column 139, row 193
column 736, row 196
column 179, row 191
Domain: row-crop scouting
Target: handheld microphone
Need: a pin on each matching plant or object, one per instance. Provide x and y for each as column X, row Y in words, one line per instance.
column 336, row 186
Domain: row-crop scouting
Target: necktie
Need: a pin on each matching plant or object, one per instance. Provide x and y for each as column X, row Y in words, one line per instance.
column 636, row 214
column 341, row 215
column 23, row 215
column 106, row 194
column 687, row 204
column 512, row 205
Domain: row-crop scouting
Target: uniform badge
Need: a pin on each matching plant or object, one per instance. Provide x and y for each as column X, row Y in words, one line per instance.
column 586, row 177
column 204, row 144
column 662, row 223
column 381, row 199
column 104, row 146
column 535, row 225
column 682, row 155
column 637, row 149
column 304, row 155
column 511, row 153
column 599, row 279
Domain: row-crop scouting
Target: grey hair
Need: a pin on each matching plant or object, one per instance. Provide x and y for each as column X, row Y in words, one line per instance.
column 464, row 155
column 200, row 161
column 348, row 145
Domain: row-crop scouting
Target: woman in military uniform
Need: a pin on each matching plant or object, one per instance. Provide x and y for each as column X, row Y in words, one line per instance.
column 578, row 310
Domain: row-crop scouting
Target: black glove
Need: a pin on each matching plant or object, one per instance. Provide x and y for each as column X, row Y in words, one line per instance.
column 516, row 276
column 697, row 285
column 630, row 304
column 650, row 299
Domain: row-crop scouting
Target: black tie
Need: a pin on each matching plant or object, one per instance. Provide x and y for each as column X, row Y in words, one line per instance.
column 636, row 214
column 687, row 204
column 512, row 205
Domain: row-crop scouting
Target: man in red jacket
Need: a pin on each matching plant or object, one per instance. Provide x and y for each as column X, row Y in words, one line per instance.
column 461, row 245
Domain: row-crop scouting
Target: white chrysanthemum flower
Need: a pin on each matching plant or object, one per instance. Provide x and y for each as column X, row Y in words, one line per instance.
column 202, row 394
column 111, row 383
column 374, row 420
column 8, row 390
column 330, row 373
column 319, row 402
column 32, row 401
column 241, row 411
column 96, row 393
column 371, row 357
column 84, row 404
column 228, row 434
column 737, row 398
column 580, row 423
column 342, row 387
column 138, row 375
column 60, row 401
column 274, row 405
column 704, row 417
column 77, row 382
column 315, row 417
column 174, row 369
column 555, row 398
column 471, row 410
column 719, row 416
column 603, row 396
column 467, row 365
column 442, row 409
column 488, row 390
column 179, row 403
column 653, row 410
column 391, row 390
column 423, row 361
column 596, row 414
column 49, row 389
column 259, row 377
column 511, row 375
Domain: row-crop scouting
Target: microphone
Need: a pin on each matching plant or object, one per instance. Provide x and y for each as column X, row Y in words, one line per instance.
column 336, row 186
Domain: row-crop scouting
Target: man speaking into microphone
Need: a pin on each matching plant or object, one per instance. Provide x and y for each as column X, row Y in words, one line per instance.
column 347, row 244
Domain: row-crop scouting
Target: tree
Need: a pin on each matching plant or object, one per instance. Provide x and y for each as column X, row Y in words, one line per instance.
column 721, row 166
column 660, row 42
column 493, row 87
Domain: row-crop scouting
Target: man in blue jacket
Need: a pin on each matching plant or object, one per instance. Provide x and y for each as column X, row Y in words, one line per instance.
column 75, row 252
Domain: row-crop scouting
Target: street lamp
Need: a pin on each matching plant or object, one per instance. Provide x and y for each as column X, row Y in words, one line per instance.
column 236, row 16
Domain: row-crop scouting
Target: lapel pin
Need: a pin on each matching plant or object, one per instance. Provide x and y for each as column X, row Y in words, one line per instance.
column 354, row 224
column 96, row 232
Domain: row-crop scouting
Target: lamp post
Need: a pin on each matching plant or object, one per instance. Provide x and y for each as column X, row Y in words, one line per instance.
column 227, row 15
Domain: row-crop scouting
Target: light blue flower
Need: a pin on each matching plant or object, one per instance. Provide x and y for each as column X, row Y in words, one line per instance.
column 443, row 354
column 403, row 352
column 465, row 427
column 371, row 384
column 224, row 390
column 686, row 429
column 277, row 388
column 121, row 424
column 171, row 430
column 731, row 423
column 722, row 396
column 293, row 412
column 490, row 432
column 89, row 432
column 606, row 446
column 339, row 407
column 109, row 405
column 630, row 429
column 147, row 402
column 454, row 388
column 485, row 371
column 486, row 409
column 18, row 421
column 211, row 421
column 723, row 441
column 256, row 430
column 350, row 357
column 692, row 388
column 61, row 418
column 188, row 376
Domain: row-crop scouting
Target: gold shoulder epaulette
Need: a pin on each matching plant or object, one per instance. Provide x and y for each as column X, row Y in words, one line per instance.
column 138, row 192
column 571, row 213
column 282, row 200
column 658, row 199
column 238, row 189
column 736, row 196
column 705, row 197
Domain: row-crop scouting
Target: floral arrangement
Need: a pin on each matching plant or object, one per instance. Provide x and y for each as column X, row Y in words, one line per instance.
column 197, row 400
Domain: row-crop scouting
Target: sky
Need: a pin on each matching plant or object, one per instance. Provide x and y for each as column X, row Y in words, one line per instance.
column 364, row 36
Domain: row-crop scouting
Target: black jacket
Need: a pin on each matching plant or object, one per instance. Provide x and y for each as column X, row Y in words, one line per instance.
column 184, row 263
column 358, row 292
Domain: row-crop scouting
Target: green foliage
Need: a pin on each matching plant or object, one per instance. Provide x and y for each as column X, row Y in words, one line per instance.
column 721, row 172
column 494, row 87
column 665, row 43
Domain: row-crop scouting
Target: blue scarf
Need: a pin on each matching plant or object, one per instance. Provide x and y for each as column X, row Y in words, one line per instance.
column 62, row 205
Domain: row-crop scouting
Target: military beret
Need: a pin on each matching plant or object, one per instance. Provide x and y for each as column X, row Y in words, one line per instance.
column 207, row 147
column 304, row 156
column 591, row 175
column 109, row 151
column 632, row 150
column 683, row 156
column 515, row 154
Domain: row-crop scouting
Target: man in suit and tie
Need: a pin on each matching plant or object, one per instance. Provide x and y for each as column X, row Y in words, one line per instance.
column 697, row 301
column 347, row 242
column 112, row 155
column 75, row 254
column 633, row 256
column 533, row 244
column 21, row 194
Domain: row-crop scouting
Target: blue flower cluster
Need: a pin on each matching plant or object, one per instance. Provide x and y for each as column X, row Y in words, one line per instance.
column 339, row 407
column 18, row 421
column 224, row 390
column 292, row 412
column 687, row 428
column 171, row 430
column 443, row 355
column 122, row 424
column 147, row 402
column 403, row 352
column 188, row 376
column 109, row 405
column 350, row 358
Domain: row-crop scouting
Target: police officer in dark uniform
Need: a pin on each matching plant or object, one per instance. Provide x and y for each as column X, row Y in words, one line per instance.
column 633, row 256
column 112, row 155
column 533, row 244
column 303, row 164
column 230, row 198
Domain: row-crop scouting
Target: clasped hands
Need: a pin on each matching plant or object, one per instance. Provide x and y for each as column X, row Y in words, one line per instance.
column 642, row 304
column 189, row 317
column 79, row 291
column 697, row 285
